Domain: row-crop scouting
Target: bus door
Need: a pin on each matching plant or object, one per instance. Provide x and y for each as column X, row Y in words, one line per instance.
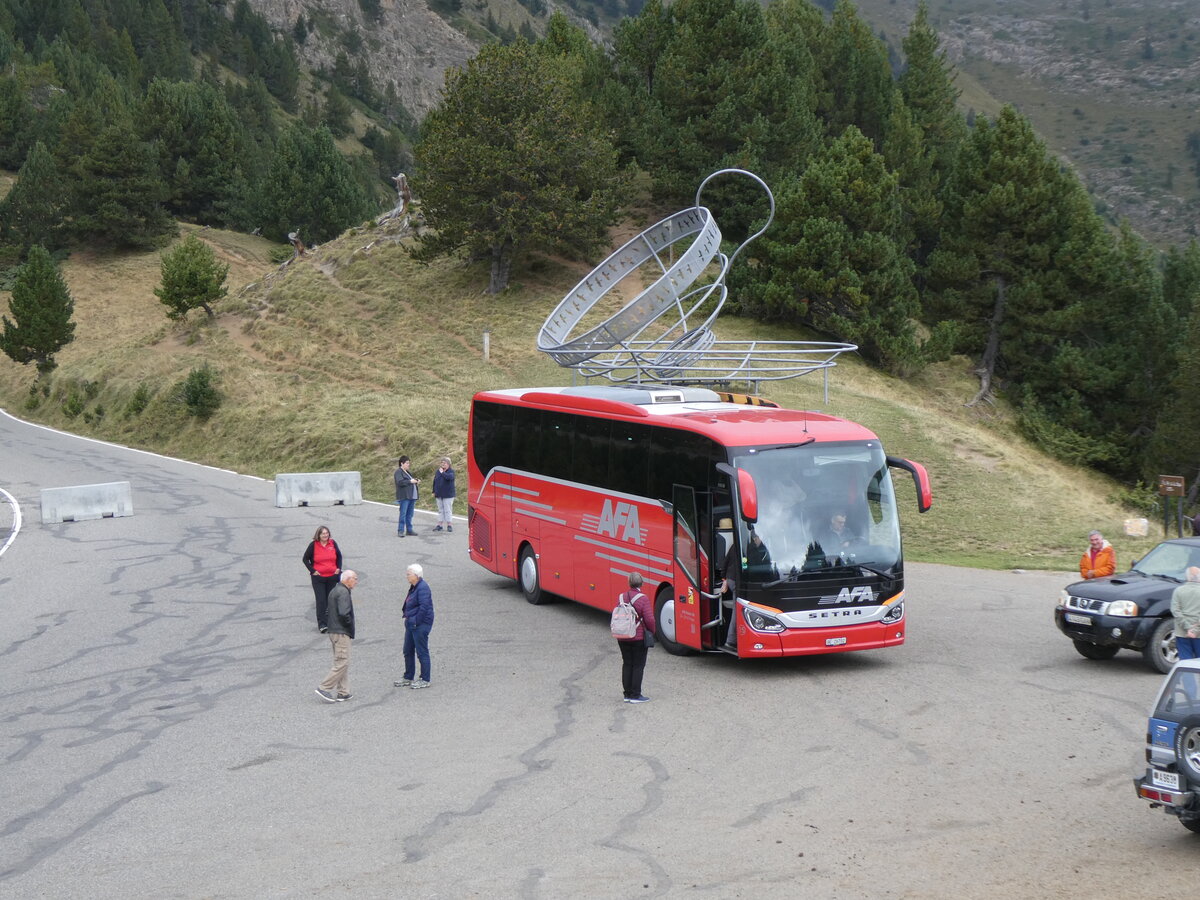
column 688, row 614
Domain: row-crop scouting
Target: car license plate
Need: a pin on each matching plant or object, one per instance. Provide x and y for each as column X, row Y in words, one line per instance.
column 835, row 642
column 1165, row 779
column 1078, row 620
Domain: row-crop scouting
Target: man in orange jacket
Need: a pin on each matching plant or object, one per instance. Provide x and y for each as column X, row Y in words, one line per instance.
column 1099, row 559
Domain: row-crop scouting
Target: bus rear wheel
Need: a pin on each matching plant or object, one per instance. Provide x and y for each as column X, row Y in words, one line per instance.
column 664, row 618
column 529, row 577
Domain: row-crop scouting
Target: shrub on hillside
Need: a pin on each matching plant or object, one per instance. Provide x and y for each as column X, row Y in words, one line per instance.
column 199, row 393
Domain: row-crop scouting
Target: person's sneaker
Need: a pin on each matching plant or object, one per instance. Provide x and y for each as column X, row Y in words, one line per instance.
column 342, row 698
column 326, row 696
column 412, row 534
column 399, row 534
column 628, row 700
column 449, row 527
column 639, row 699
column 323, row 629
column 403, row 682
column 417, row 685
column 439, row 528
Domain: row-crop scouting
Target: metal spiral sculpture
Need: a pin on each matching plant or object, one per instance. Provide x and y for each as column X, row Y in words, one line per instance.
column 664, row 334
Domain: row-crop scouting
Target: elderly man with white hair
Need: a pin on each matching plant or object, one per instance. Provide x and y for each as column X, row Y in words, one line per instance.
column 1185, row 607
column 336, row 686
column 418, row 621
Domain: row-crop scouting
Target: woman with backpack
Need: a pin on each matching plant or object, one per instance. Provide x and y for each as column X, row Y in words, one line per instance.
column 634, row 647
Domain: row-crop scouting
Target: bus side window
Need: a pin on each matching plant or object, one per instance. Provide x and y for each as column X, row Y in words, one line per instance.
column 629, row 461
column 592, row 437
column 492, row 435
column 527, row 424
column 554, row 445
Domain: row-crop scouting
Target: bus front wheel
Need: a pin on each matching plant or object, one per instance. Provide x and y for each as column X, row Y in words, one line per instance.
column 664, row 618
column 529, row 578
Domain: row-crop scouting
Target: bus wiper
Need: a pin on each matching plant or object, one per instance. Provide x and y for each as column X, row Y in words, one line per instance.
column 803, row 443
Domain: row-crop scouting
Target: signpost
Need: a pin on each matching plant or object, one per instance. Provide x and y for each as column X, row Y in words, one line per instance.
column 1172, row 486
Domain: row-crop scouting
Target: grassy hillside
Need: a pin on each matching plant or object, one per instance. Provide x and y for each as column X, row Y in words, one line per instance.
column 355, row 354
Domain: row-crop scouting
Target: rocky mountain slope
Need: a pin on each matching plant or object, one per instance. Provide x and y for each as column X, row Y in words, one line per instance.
column 1112, row 87
column 408, row 44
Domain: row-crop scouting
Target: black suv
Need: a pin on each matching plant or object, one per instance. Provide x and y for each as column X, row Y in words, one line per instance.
column 1130, row 610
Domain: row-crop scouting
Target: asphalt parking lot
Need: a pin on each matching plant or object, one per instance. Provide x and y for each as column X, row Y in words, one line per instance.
column 160, row 736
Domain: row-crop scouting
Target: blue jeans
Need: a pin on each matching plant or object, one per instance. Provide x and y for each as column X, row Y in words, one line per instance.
column 416, row 643
column 1188, row 648
column 406, row 514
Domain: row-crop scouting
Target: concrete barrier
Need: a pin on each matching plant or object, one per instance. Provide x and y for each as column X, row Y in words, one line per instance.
column 86, row 501
column 318, row 489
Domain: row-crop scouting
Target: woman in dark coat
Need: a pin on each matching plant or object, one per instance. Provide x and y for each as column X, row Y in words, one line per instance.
column 633, row 650
column 323, row 560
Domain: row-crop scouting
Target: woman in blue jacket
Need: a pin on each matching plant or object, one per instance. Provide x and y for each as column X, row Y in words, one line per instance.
column 443, row 493
column 418, row 621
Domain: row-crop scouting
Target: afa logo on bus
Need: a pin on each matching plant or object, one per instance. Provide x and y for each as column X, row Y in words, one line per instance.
column 622, row 517
column 862, row 593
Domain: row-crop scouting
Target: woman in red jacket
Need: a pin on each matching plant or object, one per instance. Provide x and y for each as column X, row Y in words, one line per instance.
column 323, row 560
column 633, row 650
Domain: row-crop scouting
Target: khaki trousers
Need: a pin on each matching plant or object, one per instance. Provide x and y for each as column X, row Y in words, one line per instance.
column 338, row 679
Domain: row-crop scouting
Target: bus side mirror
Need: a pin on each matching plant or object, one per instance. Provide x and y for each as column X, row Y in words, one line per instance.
column 920, row 477
column 748, row 496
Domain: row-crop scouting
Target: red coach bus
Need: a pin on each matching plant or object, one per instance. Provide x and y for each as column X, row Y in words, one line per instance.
column 571, row 489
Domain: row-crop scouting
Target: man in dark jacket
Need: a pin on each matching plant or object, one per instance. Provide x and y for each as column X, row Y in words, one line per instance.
column 336, row 686
column 418, row 621
column 406, row 495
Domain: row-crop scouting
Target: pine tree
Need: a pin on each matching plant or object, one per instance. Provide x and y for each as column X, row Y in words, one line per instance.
column 120, row 193
column 1175, row 445
column 857, row 75
column 191, row 278
column 336, row 114
column 1181, row 277
column 511, row 161
column 41, row 307
column 833, row 260
column 992, row 265
column 930, row 97
column 34, row 210
column 310, row 187
column 201, row 148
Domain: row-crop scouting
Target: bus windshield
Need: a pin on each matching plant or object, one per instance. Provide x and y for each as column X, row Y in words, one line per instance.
column 820, row 506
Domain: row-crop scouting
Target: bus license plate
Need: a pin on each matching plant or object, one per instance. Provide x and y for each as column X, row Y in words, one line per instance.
column 835, row 642
column 1165, row 779
column 1079, row 620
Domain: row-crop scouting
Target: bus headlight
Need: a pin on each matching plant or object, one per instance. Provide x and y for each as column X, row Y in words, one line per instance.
column 760, row 621
column 894, row 614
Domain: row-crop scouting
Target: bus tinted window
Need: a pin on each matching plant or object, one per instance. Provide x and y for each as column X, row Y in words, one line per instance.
column 527, row 424
column 554, row 445
column 629, row 459
column 491, row 435
column 678, row 457
column 592, row 439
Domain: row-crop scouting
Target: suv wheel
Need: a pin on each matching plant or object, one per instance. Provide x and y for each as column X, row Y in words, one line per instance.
column 1095, row 651
column 1187, row 748
column 1159, row 651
